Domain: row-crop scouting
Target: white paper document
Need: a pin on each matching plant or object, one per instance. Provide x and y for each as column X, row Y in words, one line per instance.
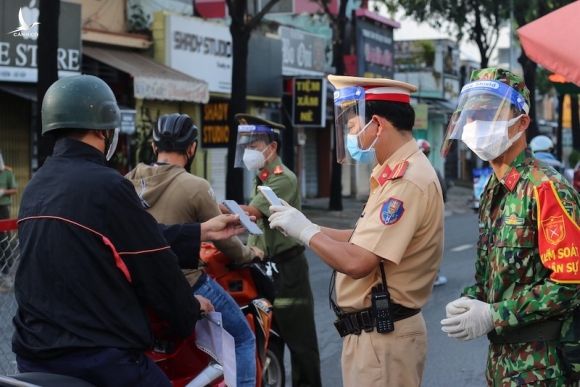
column 212, row 338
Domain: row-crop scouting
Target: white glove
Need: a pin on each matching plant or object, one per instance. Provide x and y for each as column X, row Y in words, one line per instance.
column 473, row 322
column 456, row 307
column 293, row 223
column 2, row 190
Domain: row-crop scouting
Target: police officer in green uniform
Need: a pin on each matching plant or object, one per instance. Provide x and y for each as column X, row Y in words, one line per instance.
column 526, row 295
column 7, row 190
column 257, row 150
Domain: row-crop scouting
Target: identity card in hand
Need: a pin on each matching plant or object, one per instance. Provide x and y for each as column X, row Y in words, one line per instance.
column 245, row 220
column 270, row 195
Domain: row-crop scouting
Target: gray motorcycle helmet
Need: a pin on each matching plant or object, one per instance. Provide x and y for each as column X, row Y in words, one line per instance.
column 79, row 102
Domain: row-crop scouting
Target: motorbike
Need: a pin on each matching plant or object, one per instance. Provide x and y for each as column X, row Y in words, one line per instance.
column 187, row 365
column 184, row 363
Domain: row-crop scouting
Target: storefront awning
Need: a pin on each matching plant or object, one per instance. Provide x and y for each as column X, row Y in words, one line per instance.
column 152, row 80
column 26, row 92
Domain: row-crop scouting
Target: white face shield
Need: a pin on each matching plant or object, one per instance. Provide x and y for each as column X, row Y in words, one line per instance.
column 251, row 143
column 349, row 117
column 113, row 145
column 485, row 111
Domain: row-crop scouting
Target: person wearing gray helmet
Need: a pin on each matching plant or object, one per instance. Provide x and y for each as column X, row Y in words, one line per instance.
column 93, row 262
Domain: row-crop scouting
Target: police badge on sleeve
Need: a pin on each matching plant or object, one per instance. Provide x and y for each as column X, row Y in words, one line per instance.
column 391, row 211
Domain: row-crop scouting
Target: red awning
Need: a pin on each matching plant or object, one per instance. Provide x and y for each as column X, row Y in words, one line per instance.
column 552, row 41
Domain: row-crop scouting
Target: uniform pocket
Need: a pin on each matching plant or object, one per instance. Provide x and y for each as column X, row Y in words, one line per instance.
column 515, row 247
column 523, row 237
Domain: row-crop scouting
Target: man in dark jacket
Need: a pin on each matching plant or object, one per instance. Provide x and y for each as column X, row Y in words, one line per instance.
column 93, row 262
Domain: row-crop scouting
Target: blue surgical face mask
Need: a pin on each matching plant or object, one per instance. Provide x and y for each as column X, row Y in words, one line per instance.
column 364, row 156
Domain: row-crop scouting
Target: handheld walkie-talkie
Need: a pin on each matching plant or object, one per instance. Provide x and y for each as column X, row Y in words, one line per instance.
column 381, row 307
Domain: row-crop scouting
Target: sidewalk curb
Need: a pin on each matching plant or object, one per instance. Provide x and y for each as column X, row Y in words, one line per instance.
column 316, row 209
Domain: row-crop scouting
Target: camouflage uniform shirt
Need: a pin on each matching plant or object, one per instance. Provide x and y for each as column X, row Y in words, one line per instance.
column 511, row 277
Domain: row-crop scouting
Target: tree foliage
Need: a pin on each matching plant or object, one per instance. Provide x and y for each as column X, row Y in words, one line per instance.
column 479, row 21
column 476, row 20
column 241, row 27
column 340, row 45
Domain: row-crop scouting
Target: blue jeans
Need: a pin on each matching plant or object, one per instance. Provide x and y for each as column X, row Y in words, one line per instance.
column 235, row 324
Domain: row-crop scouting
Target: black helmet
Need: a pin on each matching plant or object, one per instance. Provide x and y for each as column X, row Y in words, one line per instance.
column 174, row 132
column 79, row 102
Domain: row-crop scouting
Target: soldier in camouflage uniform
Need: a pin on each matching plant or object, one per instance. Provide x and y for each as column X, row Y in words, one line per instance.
column 524, row 297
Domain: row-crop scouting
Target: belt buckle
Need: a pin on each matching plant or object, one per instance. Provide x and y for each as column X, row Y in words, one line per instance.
column 367, row 321
column 341, row 327
column 355, row 326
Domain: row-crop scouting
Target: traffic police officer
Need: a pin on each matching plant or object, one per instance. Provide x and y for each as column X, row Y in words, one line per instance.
column 386, row 266
column 257, row 150
column 526, row 274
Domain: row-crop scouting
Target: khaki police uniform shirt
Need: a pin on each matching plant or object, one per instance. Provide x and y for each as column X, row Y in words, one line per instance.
column 403, row 224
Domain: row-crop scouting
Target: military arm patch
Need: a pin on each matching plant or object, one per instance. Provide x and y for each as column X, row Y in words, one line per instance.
column 391, row 211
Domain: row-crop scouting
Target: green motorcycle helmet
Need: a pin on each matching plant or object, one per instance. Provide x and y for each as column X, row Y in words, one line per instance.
column 79, row 102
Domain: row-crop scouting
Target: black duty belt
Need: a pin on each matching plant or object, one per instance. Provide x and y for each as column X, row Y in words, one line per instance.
column 287, row 254
column 364, row 320
column 542, row 331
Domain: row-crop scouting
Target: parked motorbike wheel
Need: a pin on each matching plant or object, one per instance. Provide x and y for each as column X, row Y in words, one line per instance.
column 274, row 374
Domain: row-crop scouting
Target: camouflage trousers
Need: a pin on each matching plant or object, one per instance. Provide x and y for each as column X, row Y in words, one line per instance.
column 526, row 364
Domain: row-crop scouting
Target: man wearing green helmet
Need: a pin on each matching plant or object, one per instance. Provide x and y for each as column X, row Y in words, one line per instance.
column 526, row 295
column 92, row 260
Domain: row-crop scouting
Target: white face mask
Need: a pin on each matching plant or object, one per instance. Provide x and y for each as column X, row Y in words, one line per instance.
column 489, row 139
column 254, row 159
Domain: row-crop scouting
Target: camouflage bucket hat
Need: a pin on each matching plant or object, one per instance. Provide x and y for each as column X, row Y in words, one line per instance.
column 515, row 81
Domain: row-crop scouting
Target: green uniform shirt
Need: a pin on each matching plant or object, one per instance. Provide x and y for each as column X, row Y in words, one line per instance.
column 510, row 276
column 7, row 181
column 283, row 182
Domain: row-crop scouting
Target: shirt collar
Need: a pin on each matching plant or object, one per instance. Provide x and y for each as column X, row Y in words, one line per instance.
column 514, row 173
column 270, row 168
column 70, row 147
column 382, row 171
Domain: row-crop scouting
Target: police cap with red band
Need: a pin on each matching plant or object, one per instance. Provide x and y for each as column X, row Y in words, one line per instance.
column 376, row 89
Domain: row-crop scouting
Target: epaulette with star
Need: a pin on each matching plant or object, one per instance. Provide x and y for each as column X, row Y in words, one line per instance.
column 392, row 174
column 263, row 175
column 278, row 170
column 511, row 179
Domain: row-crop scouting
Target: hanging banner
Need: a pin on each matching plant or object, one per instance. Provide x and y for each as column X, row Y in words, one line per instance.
column 309, row 102
column 215, row 131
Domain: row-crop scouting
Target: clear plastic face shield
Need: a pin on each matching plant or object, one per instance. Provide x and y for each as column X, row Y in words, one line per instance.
column 354, row 143
column 252, row 146
column 112, row 146
column 485, row 112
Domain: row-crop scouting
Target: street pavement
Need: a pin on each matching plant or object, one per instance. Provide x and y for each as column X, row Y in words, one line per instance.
column 449, row 362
